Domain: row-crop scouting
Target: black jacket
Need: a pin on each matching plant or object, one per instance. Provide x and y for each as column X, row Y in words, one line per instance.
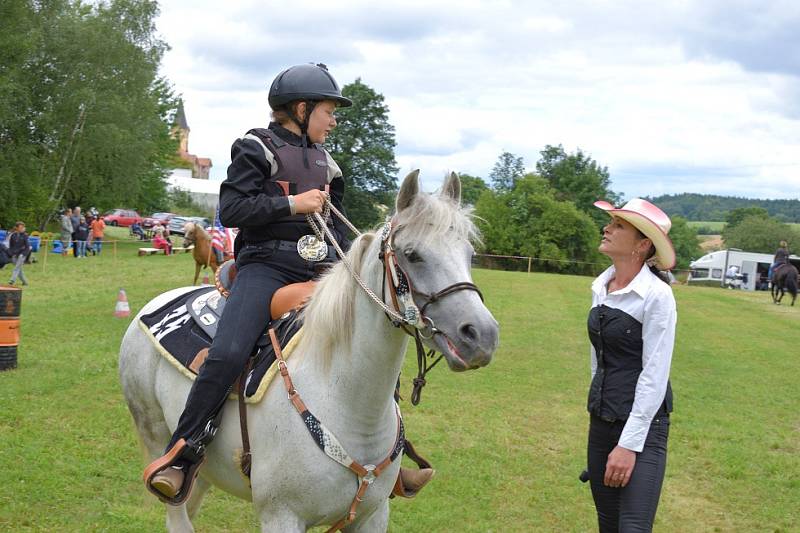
column 18, row 244
column 250, row 201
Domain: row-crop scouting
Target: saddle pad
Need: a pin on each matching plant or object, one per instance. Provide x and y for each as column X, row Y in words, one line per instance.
column 178, row 338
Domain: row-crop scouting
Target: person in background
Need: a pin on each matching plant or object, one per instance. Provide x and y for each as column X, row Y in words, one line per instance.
column 76, row 220
column 81, row 236
column 137, row 230
column 19, row 248
column 160, row 242
column 98, row 228
column 632, row 332
column 66, row 231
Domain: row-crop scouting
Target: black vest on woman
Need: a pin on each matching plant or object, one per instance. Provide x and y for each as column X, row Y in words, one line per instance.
column 617, row 340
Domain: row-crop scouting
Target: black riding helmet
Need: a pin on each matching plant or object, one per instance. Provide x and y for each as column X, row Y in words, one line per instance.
column 308, row 83
column 305, row 82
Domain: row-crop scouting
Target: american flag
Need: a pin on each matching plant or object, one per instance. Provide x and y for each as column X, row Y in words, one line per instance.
column 221, row 237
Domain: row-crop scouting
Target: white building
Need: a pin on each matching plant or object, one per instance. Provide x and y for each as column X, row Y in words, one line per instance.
column 204, row 192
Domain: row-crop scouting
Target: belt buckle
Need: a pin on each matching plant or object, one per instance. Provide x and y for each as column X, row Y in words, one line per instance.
column 312, row 249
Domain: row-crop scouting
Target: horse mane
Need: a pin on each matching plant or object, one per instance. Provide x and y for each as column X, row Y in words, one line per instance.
column 193, row 230
column 329, row 316
column 432, row 215
column 328, row 319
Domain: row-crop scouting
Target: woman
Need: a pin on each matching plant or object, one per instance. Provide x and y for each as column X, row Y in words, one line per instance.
column 81, row 234
column 277, row 175
column 632, row 333
column 18, row 248
column 160, row 241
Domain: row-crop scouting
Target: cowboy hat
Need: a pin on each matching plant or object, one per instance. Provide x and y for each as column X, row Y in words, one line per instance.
column 652, row 222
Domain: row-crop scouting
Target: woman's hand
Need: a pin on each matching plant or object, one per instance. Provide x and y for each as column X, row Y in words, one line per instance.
column 619, row 467
column 310, row 201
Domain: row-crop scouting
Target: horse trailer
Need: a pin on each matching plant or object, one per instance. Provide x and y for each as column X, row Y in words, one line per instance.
column 752, row 269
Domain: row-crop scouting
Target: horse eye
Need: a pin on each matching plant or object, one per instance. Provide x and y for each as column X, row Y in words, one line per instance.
column 412, row 255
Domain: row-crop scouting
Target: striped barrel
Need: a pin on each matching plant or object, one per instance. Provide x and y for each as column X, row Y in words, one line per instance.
column 10, row 305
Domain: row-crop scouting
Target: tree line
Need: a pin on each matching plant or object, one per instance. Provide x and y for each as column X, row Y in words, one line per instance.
column 711, row 207
column 85, row 118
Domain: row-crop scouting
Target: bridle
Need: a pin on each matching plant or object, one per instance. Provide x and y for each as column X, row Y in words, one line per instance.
column 402, row 293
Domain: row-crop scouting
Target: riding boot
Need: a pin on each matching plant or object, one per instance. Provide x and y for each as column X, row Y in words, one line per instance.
column 412, row 480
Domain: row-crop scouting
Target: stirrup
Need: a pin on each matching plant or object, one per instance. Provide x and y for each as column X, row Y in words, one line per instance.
column 181, row 450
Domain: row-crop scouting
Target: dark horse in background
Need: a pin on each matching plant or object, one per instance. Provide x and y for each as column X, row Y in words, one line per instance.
column 785, row 279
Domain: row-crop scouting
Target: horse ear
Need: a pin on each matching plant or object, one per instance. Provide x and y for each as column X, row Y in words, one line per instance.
column 452, row 187
column 408, row 190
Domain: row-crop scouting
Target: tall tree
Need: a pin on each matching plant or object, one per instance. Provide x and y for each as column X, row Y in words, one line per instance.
column 506, row 171
column 471, row 188
column 758, row 234
column 530, row 221
column 684, row 239
column 84, row 117
column 578, row 178
column 736, row 216
column 363, row 145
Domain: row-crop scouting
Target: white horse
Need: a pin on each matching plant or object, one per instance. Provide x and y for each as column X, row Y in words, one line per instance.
column 345, row 367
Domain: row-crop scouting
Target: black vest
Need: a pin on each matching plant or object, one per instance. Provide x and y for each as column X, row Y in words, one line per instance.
column 617, row 340
column 292, row 175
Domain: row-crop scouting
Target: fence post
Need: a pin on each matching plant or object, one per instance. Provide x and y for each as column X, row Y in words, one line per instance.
column 115, row 251
column 529, row 265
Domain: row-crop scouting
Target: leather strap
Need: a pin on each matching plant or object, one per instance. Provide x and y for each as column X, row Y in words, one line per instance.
column 245, row 462
column 366, row 474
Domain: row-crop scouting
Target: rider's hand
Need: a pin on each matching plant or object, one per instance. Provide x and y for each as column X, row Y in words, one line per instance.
column 310, row 201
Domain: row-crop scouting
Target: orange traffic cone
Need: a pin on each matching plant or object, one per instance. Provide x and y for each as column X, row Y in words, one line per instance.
column 205, row 280
column 122, row 310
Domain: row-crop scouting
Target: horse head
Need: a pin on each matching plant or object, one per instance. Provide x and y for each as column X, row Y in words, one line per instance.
column 432, row 238
column 188, row 232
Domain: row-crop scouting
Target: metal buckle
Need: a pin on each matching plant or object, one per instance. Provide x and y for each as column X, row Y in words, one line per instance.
column 369, row 477
column 428, row 329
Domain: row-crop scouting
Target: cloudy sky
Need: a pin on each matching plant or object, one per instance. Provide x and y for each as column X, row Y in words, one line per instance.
column 679, row 96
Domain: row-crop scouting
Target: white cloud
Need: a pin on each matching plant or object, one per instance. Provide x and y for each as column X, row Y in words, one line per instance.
column 687, row 97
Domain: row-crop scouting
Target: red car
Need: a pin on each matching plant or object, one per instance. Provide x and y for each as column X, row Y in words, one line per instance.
column 157, row 218
column 122, row 217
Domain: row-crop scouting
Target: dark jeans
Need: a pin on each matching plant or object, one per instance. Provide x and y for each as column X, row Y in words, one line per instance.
column 261, row 272
column 633, row 507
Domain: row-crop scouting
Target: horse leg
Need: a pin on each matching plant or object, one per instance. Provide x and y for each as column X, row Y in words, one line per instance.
column 196, row 497
column 196, row 273
column 378, row 521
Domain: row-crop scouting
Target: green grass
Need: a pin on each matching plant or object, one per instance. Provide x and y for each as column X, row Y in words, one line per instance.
column 508, row 441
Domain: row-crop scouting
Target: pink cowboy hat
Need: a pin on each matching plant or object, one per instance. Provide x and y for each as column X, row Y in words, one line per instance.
column 650, row 220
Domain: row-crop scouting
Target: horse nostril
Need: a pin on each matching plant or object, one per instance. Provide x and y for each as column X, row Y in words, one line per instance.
column 469, row 333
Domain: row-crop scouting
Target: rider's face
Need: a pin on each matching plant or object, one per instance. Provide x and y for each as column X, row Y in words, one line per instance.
column 322, row 121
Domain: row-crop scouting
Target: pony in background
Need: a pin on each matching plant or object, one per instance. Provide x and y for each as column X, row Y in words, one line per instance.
column 203, row 253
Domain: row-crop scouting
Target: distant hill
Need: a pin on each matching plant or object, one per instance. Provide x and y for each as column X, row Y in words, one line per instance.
column 713, row 207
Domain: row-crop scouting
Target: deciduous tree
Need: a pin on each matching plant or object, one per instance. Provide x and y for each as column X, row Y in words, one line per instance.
column 363, row 145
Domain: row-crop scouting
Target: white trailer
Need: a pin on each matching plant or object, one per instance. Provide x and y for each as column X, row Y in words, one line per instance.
column 753, row 268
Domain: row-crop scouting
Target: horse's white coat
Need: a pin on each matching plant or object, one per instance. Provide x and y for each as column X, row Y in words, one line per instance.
column 294, row 484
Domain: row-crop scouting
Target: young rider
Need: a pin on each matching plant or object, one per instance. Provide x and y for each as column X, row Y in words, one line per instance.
column 277, row 175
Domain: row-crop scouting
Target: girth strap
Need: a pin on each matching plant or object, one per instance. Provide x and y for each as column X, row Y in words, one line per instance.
column 331, row 446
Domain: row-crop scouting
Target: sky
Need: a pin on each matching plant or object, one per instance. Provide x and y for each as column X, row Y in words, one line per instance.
column 680, row 96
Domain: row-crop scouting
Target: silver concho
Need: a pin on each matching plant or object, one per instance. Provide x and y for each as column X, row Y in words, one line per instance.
column 312, row 249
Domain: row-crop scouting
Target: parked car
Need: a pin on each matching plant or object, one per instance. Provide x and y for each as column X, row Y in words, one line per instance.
column 176, row 223
column 157, row 218
column 122, row 217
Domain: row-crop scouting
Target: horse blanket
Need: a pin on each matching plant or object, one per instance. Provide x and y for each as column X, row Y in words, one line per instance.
column 186, row 326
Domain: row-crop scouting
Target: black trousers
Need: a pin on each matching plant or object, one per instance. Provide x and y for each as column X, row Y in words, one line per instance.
column 261, row 272
column 633, row 507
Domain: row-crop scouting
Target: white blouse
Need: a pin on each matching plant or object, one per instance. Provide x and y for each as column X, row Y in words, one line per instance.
column 650, row 301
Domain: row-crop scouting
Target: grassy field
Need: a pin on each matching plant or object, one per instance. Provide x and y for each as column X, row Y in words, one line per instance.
column 508, row 440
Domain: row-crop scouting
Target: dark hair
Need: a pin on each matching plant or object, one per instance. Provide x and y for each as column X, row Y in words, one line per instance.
column 650, row 253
